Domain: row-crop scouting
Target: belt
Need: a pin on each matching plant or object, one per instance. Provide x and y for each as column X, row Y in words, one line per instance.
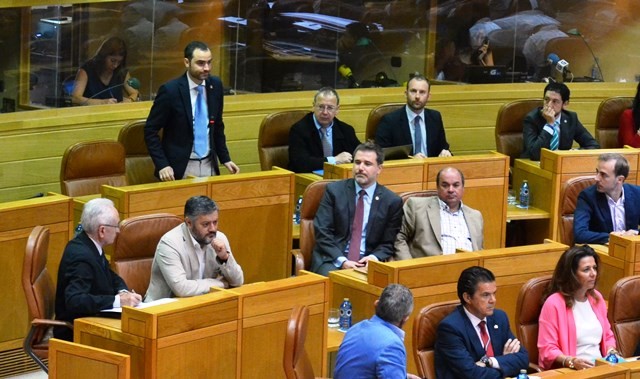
column 200, row 159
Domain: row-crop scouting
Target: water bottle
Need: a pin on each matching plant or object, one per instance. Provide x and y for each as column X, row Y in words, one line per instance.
column 523, row 374
column 524, row 195
column 345, row 315
column 296, row 213
column 611, row 358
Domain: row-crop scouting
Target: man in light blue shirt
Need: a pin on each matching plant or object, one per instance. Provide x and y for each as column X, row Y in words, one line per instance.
column 374, row 348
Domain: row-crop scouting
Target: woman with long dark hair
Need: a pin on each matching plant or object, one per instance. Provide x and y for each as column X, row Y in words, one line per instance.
column 629, row 130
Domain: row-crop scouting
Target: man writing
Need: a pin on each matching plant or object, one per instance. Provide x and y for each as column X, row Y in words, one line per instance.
column 188, row 111
column 320, row 137
column 475, row 340
column 86, row 284
column 609, row 206
column 440, row 224
column 374, row 348
column 414, row 124
column 194, row 256
column 357, row 219
column 554, row 127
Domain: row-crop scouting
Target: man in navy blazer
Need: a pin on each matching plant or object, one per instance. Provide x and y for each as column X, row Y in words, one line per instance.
column 608, row 207
column 335, row 217
column 541, row 123
column 173, row 113
column 475, row 340
column 306, row 151
column 86, row 284
column 399, row 127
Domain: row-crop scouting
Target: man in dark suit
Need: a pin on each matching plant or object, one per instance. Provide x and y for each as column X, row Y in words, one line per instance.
column 608, row 207
column 86, row 284
column 553, row 126
column 188, row 110
column 357, row 219
column 475, row 340
column 414, row 124
column 320, row 137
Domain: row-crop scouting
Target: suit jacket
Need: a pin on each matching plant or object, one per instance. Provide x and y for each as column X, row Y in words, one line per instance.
column 394, row 130
column 332, row 224
column 305, row 147
column 535, row 138
column 86, row 284
column 420, row 234
column 458, row 348
column 171, row 113
column 174, row 271
column 592, row 219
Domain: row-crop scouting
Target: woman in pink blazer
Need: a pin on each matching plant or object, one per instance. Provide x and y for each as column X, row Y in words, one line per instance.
column 573, row 326
column 628, row 133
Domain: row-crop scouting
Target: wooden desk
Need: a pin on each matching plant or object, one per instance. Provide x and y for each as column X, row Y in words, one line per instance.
column 532, row 213
column 255, row 213
column 434, row 279
column 619, row 259
column 597, row 372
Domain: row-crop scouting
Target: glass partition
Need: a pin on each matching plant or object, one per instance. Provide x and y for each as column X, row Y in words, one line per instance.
column 289, row 45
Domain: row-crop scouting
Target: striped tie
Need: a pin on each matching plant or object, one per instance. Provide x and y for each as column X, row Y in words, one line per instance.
column 555, row 139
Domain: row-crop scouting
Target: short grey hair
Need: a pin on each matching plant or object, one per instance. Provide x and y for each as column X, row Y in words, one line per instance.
column 199, row 205
column 395, row 303
column 97, row 212
column 326, row 92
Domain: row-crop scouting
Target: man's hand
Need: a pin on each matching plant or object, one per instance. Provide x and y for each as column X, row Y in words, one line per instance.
column 129, row 299
column 232, row 167
column 166, row 174
column 351, row 264
column 220, row 249
column 548, row 114
column 512, row 346
column 411, row 376
column 445, row 153
column 343, row 157
column 630, row 232
column 418, row 156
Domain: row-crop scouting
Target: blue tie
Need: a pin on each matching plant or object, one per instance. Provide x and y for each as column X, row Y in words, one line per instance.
column 555, row 139
column 200, row 124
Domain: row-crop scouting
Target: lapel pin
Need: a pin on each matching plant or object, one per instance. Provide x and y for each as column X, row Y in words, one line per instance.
column 377, row 198
column 495, row 326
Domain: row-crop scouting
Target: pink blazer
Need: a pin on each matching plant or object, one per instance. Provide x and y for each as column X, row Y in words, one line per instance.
column 557, row 329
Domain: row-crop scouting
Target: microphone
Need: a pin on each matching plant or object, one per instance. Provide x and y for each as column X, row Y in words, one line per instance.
column 346, row 72
column 575, row 32
column 132, row 82
column 560, row 64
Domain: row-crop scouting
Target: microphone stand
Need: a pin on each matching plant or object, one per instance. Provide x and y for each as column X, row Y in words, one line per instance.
column 576, row 32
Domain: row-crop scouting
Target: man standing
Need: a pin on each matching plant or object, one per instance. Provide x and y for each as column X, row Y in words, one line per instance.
column 357, row 219
column 194, row 256
column 608, row 207
column 188, row 110
column 414, row 124
column 374, row 348
column 440, row 224
column 320, row 137
column 553, row 126
column 86, row 284
column 475, row 340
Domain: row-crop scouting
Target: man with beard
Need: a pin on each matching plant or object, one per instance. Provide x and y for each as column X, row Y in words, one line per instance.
column 357, row 219
column 610, row 205
column 414, row 124
column 440, row 224
column 194, row 256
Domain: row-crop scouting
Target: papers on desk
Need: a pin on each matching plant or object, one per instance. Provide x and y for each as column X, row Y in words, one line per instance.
column 144, row 305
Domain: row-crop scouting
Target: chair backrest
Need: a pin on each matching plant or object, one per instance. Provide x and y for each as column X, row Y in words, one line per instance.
column 608, row 120
column 86, row 166
column 624, row 314
column 135, row 246
column 528, row 309
column 424, row 193
column 310, row 202
column 66, row 360
column 568, row 200
column 376, row 115
column 508, row 131
column 296, row 362
column 36, row 281
column 273, row 138
column 425, row 328
column 138, row 164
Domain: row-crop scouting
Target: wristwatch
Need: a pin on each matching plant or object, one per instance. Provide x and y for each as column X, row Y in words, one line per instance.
column 486, row 361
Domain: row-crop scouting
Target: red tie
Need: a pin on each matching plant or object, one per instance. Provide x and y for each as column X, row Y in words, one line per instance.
column 485, row 339
column 356, row 229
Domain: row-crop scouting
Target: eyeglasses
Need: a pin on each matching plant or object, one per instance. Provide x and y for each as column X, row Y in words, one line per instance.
column 328, row 108
column 112, row 226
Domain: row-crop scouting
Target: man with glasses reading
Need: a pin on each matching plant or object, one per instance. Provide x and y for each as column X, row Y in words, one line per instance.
column 320, row 137
column 552, row 126
column 86, row 283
